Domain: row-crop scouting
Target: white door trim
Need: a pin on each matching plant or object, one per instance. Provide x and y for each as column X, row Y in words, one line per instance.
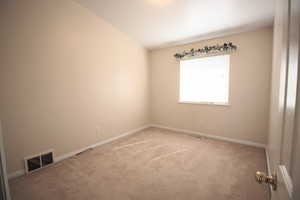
column 287, row 180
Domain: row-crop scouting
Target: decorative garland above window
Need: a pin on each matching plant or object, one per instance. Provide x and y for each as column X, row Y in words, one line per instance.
column 226, row 47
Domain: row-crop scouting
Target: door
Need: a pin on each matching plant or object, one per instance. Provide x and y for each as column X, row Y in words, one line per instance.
column 4, row 189
column 283, row 147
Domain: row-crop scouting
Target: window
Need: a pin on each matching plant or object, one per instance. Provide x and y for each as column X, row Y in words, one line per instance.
column 205, row 80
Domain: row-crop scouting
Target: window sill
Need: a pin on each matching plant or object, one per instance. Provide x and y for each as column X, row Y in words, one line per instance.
column 204, row 103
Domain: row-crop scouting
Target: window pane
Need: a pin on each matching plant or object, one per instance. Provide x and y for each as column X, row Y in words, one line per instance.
column 205, row 79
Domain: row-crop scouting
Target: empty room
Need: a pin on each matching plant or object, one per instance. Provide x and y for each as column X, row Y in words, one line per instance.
column 149, row 100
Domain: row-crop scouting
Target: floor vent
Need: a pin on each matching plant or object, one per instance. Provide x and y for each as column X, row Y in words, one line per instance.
column 38, row 161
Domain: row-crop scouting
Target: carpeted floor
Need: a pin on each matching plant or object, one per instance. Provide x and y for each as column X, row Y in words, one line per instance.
column 153, row 165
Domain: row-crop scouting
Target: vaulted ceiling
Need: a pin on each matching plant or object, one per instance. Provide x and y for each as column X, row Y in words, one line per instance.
column 160, row 23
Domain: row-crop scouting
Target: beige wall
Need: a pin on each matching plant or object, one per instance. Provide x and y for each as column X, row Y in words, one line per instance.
column 64, row 73
column 68, row 80
column 250, row 73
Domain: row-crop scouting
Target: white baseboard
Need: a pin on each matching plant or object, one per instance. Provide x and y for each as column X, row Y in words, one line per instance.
column 73, row 153
column 245, row 142
column 16, row 174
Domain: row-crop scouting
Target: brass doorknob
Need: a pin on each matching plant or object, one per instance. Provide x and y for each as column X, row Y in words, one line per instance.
column 261, row 177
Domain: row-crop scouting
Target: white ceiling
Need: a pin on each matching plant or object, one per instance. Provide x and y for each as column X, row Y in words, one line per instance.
column 161, row 23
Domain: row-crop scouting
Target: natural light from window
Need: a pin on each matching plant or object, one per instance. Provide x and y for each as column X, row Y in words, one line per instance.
column 205, row 80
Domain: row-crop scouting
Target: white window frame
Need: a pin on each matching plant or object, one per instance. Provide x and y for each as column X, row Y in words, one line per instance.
column 203, row 102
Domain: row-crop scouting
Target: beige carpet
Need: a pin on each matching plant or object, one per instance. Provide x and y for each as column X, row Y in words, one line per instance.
column 155, row 164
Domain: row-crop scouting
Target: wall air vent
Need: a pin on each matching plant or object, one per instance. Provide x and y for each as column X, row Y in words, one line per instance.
column 38, row 161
